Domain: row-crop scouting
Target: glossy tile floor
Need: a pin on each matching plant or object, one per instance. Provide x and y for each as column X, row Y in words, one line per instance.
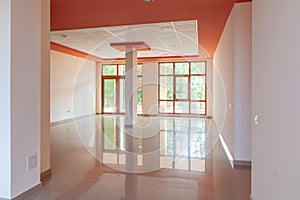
column 97, row 158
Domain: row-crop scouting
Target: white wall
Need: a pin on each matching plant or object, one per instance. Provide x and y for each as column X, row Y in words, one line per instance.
column 5, row 189
column 242, row 73
column 73, row 86
column 232, row 82
column 275, row 92
column 25, row 92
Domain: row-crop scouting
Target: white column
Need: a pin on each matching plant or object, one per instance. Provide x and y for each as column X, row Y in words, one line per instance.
column 20, row 95
column 130, row 87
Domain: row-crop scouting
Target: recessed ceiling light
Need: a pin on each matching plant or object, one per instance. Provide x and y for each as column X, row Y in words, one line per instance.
column 64, row 36
column 148, row 1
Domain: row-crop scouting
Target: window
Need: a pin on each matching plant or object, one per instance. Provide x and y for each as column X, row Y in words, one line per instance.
column 113, row 87
column 182, row 87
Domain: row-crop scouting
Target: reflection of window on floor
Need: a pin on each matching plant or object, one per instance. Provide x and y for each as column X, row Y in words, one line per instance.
column 114, row 139
column 182, row 87
column 182, row 144
column 113, row 87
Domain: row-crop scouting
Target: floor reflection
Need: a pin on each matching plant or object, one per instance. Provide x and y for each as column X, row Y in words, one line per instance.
column 176, row 158
column 154, row 143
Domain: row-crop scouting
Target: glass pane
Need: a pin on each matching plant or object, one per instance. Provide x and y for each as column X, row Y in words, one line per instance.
column 140, row 160
column 121, row 70
column 198, row 108
column 198, row 145
column 182, row 107
column 110, row 158
column 198, row 87
column 166, row 124
column 198, row 165
column 182, row 164
column 109, row 70
column 166, row 143
column 166, row 87
column 198, row 67
column 122, row 95
column 181, row 68
column 182, row 144
column 140, row 101
column 166, row 107
column 182, row 86
column 140, row 70
column 109, row 95
column 122, row 159
column 166, row 68
column 182, row 125
column 166, row 162
column 140, row 95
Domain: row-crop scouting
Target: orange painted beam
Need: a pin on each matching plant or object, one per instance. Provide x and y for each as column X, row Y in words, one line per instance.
column 70, row 51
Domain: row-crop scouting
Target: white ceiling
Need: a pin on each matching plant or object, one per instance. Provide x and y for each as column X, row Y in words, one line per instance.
column 178, row 38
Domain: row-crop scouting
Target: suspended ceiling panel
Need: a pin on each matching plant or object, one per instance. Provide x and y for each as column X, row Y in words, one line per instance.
column 178, row 38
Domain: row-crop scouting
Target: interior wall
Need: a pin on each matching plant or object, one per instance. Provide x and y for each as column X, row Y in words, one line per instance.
column 224, row 83
column 73, row 86
column 25, row 93
column 275, row 100
column 232, row 83
column 243, row 74
column 5, row 61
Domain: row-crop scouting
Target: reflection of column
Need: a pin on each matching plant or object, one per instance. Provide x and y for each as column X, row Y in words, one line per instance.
column 99, row 139
column 151, row 146
column 130, row 87
column 131, row 187
column 131, row 153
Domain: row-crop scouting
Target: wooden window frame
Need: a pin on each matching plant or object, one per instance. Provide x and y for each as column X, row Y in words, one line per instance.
column 116, row 77
column 189, row 100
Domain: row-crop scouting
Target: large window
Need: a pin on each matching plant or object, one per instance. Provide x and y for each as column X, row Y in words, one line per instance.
column 113, row 87
column 182, row 88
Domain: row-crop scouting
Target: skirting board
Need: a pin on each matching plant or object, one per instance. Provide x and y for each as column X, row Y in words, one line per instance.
column 46, row 175
column 242, row 163
column 26, row 193
column 56, row 123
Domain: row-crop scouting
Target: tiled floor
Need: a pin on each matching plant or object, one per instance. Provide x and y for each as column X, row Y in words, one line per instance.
column 97, row 158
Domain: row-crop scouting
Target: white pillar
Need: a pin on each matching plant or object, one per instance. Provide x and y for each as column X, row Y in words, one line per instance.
column 130, row 87
column 20, row 95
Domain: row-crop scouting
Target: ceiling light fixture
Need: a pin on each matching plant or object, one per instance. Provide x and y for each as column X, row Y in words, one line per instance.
column 148, row 1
